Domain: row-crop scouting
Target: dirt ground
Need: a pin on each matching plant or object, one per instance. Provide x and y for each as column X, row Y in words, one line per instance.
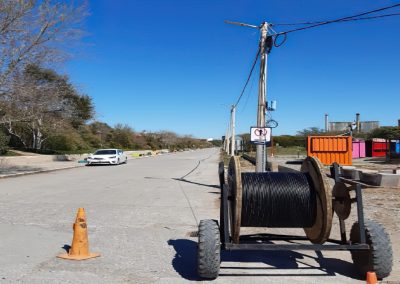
column 380, row 204
column 383, row 206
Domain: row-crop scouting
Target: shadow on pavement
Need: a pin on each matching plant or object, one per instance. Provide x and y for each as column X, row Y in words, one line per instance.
column 66, row 248
column 185, row 262
column 196, row 183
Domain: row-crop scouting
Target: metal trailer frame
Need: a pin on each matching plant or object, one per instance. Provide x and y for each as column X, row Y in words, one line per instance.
column 262, row 241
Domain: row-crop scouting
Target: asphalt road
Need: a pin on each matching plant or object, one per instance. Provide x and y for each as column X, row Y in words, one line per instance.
column 140, row 217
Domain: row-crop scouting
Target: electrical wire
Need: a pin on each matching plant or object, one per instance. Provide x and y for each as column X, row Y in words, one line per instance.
column 248, row 78
column 353, row 19
column 248, row 96
column 348, row 18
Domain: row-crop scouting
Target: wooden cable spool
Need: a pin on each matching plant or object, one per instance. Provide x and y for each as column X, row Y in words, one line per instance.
column 319, row 232
column 235, row 192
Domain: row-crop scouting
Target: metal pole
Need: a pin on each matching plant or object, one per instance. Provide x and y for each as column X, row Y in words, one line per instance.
column 227, row 138
column 358, row 122
column 260, row 149
column 233, row 111
column 326, row 123
column 360, row 214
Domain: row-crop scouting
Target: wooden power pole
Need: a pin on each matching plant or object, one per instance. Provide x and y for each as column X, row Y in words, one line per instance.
column 261, row 157
column 265, row 48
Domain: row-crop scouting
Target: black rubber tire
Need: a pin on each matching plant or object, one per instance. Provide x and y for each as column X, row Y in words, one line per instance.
column 379, row 258
column 221, row 174
column 209, row 249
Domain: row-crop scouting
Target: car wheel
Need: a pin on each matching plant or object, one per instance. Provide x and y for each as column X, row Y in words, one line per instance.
column 126, row 160
column 118, row 162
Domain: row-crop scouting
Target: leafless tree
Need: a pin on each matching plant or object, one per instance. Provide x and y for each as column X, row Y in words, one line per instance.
column 37, row 32
column 41, row 102
column 168, row 138
column 34, row 31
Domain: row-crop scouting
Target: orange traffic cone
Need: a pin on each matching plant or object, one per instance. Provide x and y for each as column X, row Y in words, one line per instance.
column 371, row 278
column 80, row 245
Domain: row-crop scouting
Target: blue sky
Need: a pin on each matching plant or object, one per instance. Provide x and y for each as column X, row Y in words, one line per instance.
column 175, row 65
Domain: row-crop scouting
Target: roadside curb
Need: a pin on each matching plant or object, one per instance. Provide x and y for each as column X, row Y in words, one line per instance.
column 37, row 172
column 4, row 176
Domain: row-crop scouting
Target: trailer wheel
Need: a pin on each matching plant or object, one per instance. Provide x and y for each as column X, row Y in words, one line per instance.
column 379, row 258
column 221, row 174
column 209, row 248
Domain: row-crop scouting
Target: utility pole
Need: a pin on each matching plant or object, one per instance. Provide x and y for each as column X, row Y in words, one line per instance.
column 233, row 112
column 261, row 157
column 265, row 48
column 228, row 132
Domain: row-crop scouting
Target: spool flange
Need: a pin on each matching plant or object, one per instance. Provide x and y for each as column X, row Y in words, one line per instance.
column 235, row 192
column 321, row 229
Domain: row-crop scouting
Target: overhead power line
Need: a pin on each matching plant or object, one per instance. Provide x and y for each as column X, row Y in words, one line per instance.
column 348, row 18
column 248, row 78
column 354, row 19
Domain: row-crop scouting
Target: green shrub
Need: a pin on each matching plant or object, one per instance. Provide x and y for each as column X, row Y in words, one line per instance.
column 70, row 140
column 4, row 139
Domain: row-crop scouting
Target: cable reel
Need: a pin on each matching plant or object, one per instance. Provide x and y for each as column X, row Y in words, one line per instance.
column 284, row 200
column 341, row 200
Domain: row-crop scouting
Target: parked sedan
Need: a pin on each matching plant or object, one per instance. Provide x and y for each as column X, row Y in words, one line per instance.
column 107, row 156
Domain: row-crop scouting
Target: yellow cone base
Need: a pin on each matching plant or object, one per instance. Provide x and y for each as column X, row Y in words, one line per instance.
column 78, row 257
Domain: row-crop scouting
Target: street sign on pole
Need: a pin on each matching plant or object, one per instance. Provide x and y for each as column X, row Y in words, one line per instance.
column 260, row 135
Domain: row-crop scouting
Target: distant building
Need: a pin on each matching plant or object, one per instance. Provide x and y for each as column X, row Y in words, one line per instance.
column 238, row 143
column 365, row 126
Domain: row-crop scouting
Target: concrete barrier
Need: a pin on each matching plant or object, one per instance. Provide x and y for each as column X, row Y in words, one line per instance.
column 389, row 179
column 372, row 178
column 350, row 172
column 40, row 159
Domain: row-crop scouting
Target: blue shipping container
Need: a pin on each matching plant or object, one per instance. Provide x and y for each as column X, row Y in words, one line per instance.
column 395, row 148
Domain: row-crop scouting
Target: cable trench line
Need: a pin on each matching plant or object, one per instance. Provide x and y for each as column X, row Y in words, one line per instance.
column 196, row 167
column 183, row 190
column 189, row 203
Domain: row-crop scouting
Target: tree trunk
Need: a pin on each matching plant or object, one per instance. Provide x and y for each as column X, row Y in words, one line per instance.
column 10, row 131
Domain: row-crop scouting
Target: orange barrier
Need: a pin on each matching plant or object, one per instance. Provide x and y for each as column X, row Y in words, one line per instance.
column 80, row 244
column 329, row 149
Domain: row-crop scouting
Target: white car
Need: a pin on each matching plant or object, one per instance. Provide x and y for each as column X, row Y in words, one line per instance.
column 107, row 156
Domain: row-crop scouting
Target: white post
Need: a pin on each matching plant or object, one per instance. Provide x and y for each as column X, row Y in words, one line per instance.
column 233, row 110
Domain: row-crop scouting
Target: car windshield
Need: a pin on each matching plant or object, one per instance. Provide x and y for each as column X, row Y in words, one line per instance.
column 105, row 152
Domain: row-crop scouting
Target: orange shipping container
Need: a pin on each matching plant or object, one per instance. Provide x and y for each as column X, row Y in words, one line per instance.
column 329, row 149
